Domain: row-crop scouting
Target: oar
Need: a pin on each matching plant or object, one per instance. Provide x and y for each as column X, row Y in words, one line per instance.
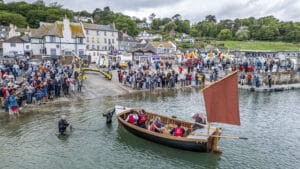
column 233, row 137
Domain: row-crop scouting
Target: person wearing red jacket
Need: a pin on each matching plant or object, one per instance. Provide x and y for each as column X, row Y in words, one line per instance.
column 142, row 119
column 177, row 131
column 132, row 118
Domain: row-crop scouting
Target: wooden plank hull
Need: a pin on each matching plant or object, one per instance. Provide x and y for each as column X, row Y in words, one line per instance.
column 184, row 143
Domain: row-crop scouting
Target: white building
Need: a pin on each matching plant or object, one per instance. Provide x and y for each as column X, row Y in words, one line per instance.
column 17, row 45
column 100, row 40
column 84, row 19
column 15, row 31
column 148, row 36
column 143, row 25
column 62, row 38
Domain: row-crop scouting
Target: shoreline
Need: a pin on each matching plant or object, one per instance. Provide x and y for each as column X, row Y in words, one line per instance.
column 94, row 88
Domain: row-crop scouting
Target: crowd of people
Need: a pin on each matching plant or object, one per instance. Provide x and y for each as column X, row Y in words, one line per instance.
column 161, row 74
column 23, row 83
column 157, row 76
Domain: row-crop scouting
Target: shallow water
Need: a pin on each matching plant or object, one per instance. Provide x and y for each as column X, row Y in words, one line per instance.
column 269, row 120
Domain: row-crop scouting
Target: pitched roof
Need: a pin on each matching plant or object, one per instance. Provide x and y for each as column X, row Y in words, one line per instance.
column 164, row 44
column 147, row 47
column 18, row 39
column 56, row 29
column 99, row 27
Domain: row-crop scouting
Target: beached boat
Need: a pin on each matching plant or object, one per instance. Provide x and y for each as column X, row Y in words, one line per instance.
column 221, row 103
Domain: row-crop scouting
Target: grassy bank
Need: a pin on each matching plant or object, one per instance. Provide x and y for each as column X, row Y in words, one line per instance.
column 258, row 45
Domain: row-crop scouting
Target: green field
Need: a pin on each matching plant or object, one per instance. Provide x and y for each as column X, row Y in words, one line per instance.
column 259, row 45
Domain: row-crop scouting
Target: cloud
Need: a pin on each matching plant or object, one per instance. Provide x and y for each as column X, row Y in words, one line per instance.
column 194, row 10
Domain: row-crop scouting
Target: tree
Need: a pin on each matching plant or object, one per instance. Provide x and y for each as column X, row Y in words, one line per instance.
column 182, row 26
column 211, row 18
column 225, row 34
column 242, row 33
column 155, row 24
column 207, row 29
column 293, row 36
column 170, row 26
column 194, row 32
column 35, row 16
column 176, row 17
column 7, row 18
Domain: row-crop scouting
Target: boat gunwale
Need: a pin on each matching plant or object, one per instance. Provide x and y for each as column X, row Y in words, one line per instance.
column 140, row 129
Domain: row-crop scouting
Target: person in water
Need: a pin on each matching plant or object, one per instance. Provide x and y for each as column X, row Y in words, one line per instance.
column 63, row 125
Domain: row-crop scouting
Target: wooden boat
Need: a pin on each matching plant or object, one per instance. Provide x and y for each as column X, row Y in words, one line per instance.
column 201, row 140
column 189, row 142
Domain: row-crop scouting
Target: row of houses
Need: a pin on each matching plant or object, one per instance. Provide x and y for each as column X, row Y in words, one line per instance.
column 63, row 38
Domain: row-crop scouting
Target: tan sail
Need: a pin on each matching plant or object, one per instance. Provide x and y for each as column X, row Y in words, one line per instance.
column 221, row 100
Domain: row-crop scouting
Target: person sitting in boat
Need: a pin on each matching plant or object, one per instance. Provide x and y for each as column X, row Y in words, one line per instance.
column 199, row 118
column 132, row 118
column 142, row 119
column 156, row 125
column 177, row 131
column 63, row 125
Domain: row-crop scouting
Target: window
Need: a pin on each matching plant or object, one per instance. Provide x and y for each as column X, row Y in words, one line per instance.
column 87, row 32
column 52, row 39
column 12, row 45
column 112, row 41
column 112, row 34
column 97, row 32
column 93, row 47
column 68, row 53
column 27, row 46
column 81, row 53
column 105, row 41
column 105, row 47
column 53, row 52
column 87, row 39
column 109, row 41
column 42, row 51
column 104, row 33
column 97, row 40
column 80, row 40
column 93, row 40
column 98, row 47
column 94, row 53
column 87, row 46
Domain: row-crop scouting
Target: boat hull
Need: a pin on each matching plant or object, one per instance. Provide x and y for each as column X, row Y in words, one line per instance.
column 199, row 146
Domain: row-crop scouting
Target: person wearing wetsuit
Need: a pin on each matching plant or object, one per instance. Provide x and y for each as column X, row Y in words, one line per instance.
column 63, row 125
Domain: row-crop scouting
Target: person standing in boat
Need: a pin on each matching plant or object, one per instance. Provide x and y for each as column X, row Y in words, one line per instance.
column 132, row 118
column 142, row 119
column 177, row 131
column 63, row 124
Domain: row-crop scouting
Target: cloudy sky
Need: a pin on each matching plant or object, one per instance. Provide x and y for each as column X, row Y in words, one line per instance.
column 194, row 10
